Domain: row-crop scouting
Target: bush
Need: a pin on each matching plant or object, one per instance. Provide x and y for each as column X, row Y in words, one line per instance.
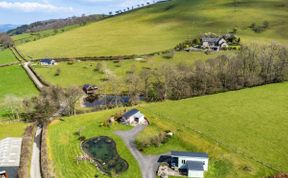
column 58, row 72
column 155, row 141
column 169, row 55
column 259, row 28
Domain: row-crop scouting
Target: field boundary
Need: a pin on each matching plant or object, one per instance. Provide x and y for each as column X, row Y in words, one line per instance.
column 9, row 64
column 111, row 58
column 17, row 54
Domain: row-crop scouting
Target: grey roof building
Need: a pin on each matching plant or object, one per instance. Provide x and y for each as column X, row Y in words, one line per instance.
column 10, row 150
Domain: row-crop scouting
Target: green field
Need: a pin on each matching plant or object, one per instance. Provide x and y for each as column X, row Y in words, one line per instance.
column 85, row 74
column 64, row 145
column 250, row 122
column 13, row 129
column 6, row 56
column 235, row 128
column 14, row 82
column 162, row 26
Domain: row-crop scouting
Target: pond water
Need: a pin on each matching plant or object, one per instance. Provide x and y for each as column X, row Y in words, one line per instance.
column 104, row 152
column 109, row 100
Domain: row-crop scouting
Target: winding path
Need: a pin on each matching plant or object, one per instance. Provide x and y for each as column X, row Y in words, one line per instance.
column 148, row 164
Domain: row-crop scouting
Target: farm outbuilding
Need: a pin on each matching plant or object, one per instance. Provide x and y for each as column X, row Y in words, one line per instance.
column 10, row 150
column 90, row 89
column 133, row 117
column 195, row 164
column 47, row 62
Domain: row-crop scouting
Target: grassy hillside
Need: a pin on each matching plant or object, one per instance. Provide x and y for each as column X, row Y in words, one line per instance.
column 251, row 122
column 28, row 37
column 6, row 56
column 162, row 26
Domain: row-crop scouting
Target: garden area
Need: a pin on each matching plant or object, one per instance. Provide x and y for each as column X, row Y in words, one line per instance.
column 64, row 145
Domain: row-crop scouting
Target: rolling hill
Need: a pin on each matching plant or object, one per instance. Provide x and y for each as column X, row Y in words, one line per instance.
column 162, row 26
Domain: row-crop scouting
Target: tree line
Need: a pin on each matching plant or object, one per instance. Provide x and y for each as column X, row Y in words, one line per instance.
column 55, row 24
column 253, row 65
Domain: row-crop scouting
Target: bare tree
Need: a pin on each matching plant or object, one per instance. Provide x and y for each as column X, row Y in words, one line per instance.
column 6, row 40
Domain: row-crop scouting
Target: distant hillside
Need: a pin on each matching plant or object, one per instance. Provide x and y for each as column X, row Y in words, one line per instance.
column 162, row 26
column 54, row 24
column 7, row 27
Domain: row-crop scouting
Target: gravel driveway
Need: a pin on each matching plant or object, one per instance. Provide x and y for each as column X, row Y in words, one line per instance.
column 148, row 164
column 35, row 162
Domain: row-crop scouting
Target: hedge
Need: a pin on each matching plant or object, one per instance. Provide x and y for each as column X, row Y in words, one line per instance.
column 46, row 167
column 26, row 151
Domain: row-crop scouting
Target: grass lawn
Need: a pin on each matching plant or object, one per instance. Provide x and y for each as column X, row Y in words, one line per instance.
column 6, row 56
column 162, row 26
column 64, row 146
column 85, row 74
column 12, row 129
column 14, row 81
column 246, row 123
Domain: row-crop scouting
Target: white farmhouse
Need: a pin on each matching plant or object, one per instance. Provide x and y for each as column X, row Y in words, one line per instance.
column 195, row 164
column 133, row 117
column 47, row 62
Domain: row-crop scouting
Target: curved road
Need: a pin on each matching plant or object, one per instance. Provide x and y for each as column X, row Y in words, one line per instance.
column 148, row 164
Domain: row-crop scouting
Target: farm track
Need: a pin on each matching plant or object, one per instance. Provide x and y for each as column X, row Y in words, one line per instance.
column 148, row 164
column 35, row 170
column 33, row 77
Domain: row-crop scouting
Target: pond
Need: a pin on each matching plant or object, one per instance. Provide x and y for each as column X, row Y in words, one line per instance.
column 104, row 152
column 108, row 100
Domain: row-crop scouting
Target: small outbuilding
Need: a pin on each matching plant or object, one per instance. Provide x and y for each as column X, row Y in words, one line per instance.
column 194, row 164
column 47, row 62
column 133, row 117
column 90, row 89
column 10, row 150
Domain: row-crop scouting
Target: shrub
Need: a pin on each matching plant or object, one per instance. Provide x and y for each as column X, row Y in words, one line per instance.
column 58, row 72
column 259, row 28
column 169, row 55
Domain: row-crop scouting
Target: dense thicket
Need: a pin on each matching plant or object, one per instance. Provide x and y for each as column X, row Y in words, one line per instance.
column 51, row 101
column 253, row 65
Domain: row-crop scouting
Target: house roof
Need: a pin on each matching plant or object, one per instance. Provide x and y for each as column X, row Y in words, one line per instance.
column 10, row 149
column 189, row 154
column 133, row 112
column 88, row 86
column 210, row 40
column 47, row 60
column 195, row 165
